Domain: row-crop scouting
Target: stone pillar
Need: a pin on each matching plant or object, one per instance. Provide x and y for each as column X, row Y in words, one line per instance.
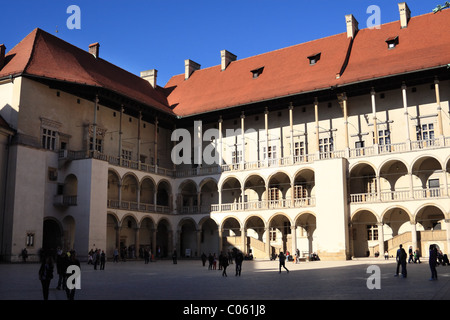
column 291, row 128
column 405, row 112
column 120, row 135
column 316, row 116
column 220, row 151
column 243, row 140
column 266, row 126
column 293, row 240
column 374, row 118
column 267, row 243
column 413, row 235
column 381, row 238
column 156, row 146
column 440, row 131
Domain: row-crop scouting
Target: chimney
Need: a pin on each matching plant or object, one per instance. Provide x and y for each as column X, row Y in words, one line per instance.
column 189, row 68
column 94, row 49
column 226, row 58
column 2, row 55
column 352, row 26
column 405, row 14
column 150, row 76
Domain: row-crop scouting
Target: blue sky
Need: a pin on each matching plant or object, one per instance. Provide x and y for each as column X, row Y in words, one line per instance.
column 138, row 35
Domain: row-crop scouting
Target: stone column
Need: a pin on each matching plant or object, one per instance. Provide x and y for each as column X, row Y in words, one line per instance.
column 440, row 131
column 374, row 119
column 243, row 140
column 405, row 112
column 291, row 127
column 267, row 243
column 316, row 115
column 381, row 238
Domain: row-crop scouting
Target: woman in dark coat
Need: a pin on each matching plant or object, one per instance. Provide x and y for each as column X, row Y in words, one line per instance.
column 46, row 275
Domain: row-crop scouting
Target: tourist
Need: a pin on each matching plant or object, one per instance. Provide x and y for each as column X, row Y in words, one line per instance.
column 46, row 275
column 238, row 260
column 282, row 259
column 401, row 261
column 432, row 260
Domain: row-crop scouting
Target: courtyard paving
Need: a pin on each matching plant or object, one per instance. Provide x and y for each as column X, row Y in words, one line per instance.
column 260, row 280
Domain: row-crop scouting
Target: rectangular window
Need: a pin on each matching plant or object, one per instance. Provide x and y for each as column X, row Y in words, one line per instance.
column 384, row 140
column 236, row 156
column 372, row 232
column 425, row 132
column 126, row 154
column 326, row 146
column 48, row 139
column 30, row 239
column 98, row 144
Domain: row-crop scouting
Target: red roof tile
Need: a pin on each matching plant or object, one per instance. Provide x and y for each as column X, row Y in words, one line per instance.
column 44, row 55
column 423, row 44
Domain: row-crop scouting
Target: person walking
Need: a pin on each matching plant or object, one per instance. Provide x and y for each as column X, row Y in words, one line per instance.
column 72, row 261
column 102, row 260
column 282, row 259
column 224, row 265
column 46, row 275
column 116, row 255
column 401, row 261
column 238, row 260
column 432, row 260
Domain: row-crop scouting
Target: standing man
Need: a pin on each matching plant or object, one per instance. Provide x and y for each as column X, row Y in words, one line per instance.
column 401, row 261
column 433, row 261
column 238, row 260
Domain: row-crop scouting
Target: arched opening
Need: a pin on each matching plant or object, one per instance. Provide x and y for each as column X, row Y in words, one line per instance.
column 305, row 226
column 163, row 235
column 365, row 233
column 280, row 234
column 188, row 239
column 279, row 190
column 52, row 237
column 304, row 183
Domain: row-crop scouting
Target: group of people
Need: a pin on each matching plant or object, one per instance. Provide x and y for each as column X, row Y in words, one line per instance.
column 47, row 268
column 224, row 260
column 97, row 257
column 435, row 258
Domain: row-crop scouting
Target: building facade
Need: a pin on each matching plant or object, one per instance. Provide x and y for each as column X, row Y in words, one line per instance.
column 339, row 146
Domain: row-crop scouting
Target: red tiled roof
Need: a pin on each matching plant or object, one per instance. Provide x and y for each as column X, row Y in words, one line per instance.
column 425, row 43
column 44, row 55
column 286, row 71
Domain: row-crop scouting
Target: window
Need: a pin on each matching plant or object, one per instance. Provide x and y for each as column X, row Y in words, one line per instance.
column 30, row 239
column 300, row 192
column 372, row 232
column 98, row 144
column 236, row 157
column 274, row 194
column 392, row 42
column 314, row 58
column 257, row 72
column 425, row 132
column 270, row 152
column 126, row 154
column 48, row 139
column 273, row 234
column 326, row 146
column 299, row 149
column 384, row 140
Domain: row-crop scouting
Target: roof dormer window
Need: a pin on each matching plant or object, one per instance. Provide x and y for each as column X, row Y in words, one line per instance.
column 314, row 58
column 392, row 42
column 257, row 72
